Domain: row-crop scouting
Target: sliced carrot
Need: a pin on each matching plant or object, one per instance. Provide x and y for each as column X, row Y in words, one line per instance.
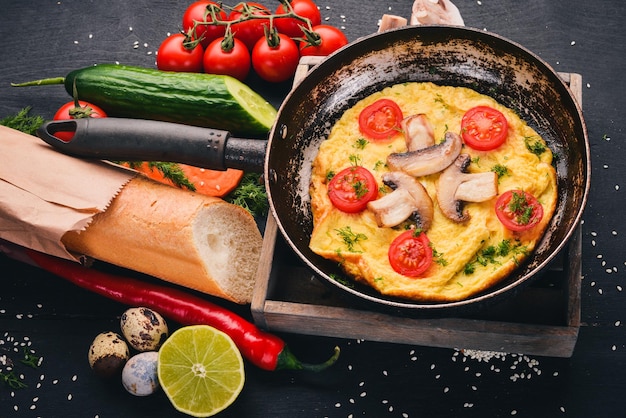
column 208, row 182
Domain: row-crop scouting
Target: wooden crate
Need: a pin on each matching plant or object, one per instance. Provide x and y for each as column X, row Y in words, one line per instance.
column 543, row 319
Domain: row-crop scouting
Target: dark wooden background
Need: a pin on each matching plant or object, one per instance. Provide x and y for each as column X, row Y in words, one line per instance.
column 49, row 38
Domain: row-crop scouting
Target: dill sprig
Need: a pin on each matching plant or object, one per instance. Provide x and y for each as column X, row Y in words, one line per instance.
column 23, row 121
column 170, row 171
column 250, row 195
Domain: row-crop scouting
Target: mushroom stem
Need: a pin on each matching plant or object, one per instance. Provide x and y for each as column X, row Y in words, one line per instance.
column 408, row 199
column 455, row 186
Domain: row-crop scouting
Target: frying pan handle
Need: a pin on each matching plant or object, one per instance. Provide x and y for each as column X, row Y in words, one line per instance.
column 122, row 139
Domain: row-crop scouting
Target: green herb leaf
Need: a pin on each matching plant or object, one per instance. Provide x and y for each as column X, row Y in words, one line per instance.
column 23, row 121
column 251, row 195
column 349, row 237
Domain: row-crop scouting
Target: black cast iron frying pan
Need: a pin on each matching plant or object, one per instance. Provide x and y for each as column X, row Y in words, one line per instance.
column 456, row 56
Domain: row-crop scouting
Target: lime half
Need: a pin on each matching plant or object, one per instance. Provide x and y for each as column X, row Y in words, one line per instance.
column 200, row 370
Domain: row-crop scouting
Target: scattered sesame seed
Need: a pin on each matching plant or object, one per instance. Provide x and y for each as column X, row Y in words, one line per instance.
column 573, row 43
column 69, row 397
column 338, row 405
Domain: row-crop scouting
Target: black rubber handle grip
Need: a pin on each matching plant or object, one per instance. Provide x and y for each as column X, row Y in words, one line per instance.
column 121, row 139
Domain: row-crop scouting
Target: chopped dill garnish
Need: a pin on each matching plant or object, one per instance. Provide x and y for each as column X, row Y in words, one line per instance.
column 355, row 159
column 350, row 238
column 535, row 146
column 493, row 254
column 438, row 257
column 361, row 143
column 500, row 170
column 379, row 164
column 342, row 280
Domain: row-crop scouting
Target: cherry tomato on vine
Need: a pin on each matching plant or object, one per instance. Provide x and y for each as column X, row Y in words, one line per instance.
column 381, row 119
column 324, row 40
column 199, row 12
column 70, row 110
column 410, row 253
column 484, row 128
column 234, row 62
column 275, row 60
column 291, row 26
column 249, row 31
column 518, row 211
column 351, row 189
column 174, row 55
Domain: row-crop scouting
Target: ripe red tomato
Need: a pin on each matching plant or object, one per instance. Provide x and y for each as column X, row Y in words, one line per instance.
column 291, row 26
column 70, row 111
column 199, row 12
column 381, row 119
column 234, row 62
column 275, row 63
column 249, row 31
column 330, row 40
column 484, row 128
column 173, row 55
column 410, row 253
column 518, row 211
column 351, row 189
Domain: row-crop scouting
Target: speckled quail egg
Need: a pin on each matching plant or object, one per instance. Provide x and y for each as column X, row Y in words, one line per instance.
column 107, row 354
column 144, row 329
column 139, row 375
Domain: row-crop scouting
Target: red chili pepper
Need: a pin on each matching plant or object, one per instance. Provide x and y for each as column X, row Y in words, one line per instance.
column 263, row 349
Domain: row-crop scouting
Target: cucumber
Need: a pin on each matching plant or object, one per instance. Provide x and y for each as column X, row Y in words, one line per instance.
column 206, row 100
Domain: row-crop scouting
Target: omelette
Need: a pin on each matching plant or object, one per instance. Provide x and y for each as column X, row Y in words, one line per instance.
column 430, row 181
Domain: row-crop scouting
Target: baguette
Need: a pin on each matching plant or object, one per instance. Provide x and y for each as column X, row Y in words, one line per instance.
column 186, row 238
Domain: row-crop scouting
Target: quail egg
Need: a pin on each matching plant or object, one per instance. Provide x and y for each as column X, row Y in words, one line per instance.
column 139, row 376
column 144, row 329
column 107, row 354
